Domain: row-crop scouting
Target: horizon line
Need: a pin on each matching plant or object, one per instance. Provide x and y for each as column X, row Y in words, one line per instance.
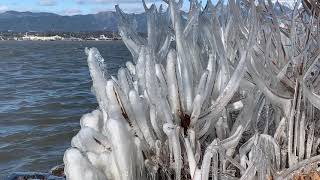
column 38, row 12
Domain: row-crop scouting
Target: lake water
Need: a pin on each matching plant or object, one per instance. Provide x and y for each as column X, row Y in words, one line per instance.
column 45, row 88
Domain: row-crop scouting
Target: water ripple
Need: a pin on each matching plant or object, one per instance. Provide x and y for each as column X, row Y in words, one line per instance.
column 44, row 90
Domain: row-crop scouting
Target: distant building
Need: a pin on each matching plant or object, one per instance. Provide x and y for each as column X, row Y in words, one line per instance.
column 73, row 39
column 27, row 37
column 105, row 38
column 92, row 39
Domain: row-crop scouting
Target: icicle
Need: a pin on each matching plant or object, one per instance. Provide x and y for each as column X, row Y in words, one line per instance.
column 124, row 82
column 127, row 30
column 155, row 123
column 90, row 140
column 98, row 160
column 173, row 92
column 140, row 115
column 173, row 134
column 312, row 97
column 192, row 161
column 93, row 120
column 123, row 148
column 229, row 90
column 98, row 74
column 77, row 166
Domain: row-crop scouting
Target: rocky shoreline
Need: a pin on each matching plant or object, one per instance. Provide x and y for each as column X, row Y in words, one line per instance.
column 56, row 173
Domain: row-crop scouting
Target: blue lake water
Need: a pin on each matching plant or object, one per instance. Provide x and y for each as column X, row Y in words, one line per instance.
column 45, row 88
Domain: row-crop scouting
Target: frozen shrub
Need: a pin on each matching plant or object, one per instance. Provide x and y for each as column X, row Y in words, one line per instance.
column 225, row 91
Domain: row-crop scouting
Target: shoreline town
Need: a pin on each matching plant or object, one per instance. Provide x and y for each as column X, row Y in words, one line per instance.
column 59, row 36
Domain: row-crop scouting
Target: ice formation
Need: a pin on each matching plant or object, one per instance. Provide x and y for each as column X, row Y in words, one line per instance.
column 225, row 91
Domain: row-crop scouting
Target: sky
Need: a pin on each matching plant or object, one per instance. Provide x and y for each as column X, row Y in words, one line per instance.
column 73, row 7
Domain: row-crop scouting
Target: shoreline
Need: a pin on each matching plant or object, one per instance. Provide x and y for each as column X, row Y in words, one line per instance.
column 55, row 173
column 61, row 40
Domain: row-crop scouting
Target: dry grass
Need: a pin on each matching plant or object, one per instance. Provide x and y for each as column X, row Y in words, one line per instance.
column 311, row 175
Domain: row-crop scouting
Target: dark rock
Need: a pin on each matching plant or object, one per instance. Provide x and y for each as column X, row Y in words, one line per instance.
column 58, row 171
column 33, row 176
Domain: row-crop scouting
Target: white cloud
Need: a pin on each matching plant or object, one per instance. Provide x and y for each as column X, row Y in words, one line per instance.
column 101, row 1
column 3, row 8
column 47, row 2
column 113, row 1
column 130, row 6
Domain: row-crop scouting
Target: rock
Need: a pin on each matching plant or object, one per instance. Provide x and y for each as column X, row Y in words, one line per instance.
column 33, row 176
column 58, row 171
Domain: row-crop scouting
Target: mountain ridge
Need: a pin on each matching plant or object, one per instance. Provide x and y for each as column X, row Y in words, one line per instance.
column 44, row 22
column 50, row 22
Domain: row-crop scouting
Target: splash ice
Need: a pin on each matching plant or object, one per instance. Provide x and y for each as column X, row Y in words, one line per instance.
column 226, row 91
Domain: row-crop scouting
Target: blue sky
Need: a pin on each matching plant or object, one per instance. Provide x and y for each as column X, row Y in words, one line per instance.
column 72, row 7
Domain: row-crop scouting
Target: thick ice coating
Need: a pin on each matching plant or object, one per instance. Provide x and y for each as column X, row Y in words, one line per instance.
column 226, row 91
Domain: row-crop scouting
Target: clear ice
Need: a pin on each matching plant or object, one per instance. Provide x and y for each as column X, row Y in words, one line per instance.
column 226, row 91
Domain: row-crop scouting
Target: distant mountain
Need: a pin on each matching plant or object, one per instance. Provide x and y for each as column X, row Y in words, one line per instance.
column 103, row 21
column 44, row 22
